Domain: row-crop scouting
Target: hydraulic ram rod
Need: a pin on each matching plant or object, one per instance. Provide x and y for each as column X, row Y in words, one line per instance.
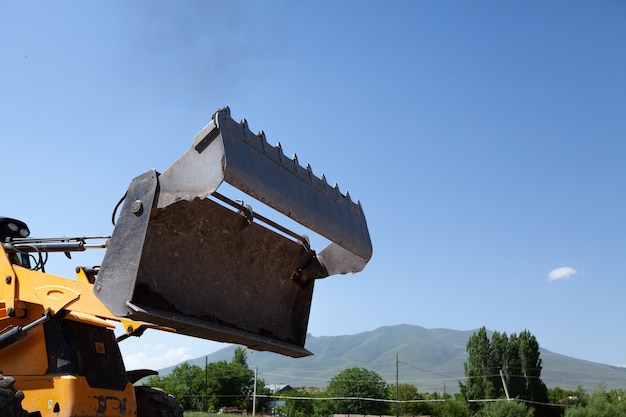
column 13, row 334
column 53, row 245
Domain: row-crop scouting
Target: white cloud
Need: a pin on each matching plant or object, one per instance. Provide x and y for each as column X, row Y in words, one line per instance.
column 563, row 272
column 155, row 359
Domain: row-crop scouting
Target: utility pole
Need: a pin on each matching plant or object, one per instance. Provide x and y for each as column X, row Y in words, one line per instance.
column 397, row 405
column 506, row 391
column 256, row 370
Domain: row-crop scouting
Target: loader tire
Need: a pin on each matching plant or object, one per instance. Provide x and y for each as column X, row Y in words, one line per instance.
column 10, row 398
column 153, row 402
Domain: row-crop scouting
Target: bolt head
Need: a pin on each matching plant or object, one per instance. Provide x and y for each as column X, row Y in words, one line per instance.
column 137, row 207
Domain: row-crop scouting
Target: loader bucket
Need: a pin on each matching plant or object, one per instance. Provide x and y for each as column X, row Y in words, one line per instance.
column 186, row 257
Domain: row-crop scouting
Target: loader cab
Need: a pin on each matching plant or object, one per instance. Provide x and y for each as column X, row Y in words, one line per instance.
column 11, row 229
column 87, row 350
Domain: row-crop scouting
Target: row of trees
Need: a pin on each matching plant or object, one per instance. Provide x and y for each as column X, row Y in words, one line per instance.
column 505, row 370
column 505, row 367
column 219, row 384
column 363, row 392
column 411, row 402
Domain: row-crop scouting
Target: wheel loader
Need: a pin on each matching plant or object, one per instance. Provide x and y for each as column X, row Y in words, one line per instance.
column 183, row 257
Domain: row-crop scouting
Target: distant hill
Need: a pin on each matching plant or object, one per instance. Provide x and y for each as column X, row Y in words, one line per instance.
column 430, row 359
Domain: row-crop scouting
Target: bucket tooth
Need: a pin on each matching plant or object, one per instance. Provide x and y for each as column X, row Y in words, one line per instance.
column 244, row 126
column 309, row 171
column 279, row 151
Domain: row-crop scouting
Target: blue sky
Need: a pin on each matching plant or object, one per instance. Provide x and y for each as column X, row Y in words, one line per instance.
column 485, row 140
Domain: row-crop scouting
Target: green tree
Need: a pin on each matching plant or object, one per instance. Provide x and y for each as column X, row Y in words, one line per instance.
column 231, row 384
column 513, row 368
column 568, row 397
column 534, row 388
column 355, row 385
column 241, row 356
column 451, row 407
column 499, row 362
column 517, row 357
column 478, row 368
column 506, row 409
column 324, row 407
column 298, row 407
column 186, row 383
column 616, row 396
column 408, row 393
column 219, row 384
column 601, row 404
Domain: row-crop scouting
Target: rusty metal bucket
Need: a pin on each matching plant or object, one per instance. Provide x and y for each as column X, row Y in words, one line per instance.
column 184, row 256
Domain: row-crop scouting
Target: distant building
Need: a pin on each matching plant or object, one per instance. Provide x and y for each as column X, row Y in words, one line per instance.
column 277, row 389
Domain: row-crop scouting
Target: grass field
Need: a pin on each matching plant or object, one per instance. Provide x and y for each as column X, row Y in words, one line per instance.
column 205, row 414
column 200, row 414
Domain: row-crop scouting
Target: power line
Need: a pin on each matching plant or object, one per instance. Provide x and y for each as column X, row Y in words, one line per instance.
column 432, row 400
column 426, row 370
column 383, row 400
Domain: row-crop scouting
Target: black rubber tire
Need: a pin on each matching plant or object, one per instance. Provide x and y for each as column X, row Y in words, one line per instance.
column 153, row 402
column 10, row 398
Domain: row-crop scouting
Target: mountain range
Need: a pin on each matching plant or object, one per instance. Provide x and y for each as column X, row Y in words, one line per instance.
column 430, row 359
